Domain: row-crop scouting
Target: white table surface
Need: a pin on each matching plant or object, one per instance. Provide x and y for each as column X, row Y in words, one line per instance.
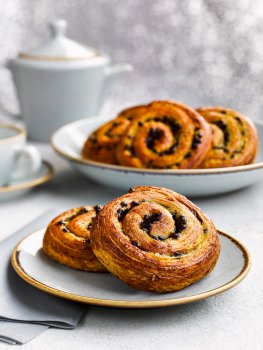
column 232, row 320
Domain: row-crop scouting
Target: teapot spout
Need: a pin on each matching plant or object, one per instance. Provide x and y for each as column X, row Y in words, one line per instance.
column 111, row 73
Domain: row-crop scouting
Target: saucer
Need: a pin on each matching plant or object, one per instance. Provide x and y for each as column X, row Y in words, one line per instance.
column 68, row 142
column 20, row 187
column 103, row 289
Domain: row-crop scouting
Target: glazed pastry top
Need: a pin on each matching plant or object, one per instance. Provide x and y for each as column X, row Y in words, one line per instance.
column 155, row 239
column 165, row 135
column 67, row 239
column 234, row 138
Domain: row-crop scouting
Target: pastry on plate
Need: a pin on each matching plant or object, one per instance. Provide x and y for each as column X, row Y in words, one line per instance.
column 155, row 239
column 168, row 135
column 67, row 239
column 101, row 144
column 234, row 138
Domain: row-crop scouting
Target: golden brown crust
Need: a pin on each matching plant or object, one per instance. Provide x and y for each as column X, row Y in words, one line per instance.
column 101, row 144
column 165, row 135
column 67, row 239
column 132, row 112
column 155, row 239
column 234, row 140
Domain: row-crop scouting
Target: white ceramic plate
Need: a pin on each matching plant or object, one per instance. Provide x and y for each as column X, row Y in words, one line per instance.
column 103, row 289
column 68, row 142
column 20, row 187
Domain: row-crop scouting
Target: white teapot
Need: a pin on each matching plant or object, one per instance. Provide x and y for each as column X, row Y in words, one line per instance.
column 60, row 82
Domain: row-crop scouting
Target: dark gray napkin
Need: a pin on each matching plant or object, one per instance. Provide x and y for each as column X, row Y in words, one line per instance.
column 26, row 311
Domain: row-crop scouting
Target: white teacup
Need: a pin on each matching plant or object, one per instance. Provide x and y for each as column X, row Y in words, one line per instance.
column 17, row 160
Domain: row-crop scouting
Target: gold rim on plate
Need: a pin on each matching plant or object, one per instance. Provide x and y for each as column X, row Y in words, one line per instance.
column 32, row 183
column 136, row 304
column 177, row 172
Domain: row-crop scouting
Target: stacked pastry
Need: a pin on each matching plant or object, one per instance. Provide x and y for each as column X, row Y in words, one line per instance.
column 170, row 135
column 150, row 238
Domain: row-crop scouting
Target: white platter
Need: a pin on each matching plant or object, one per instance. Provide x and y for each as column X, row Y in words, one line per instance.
column 30, row 262
column 68, row 141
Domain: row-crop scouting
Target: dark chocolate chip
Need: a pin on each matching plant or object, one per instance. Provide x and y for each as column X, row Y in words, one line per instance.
column 131, row 190
column 123, row 204
column 134, row 243
column 121, row 213
column 140, row 124
column 89, row 226
column 87, row 241
column 197, row 139
column 64, row 229
column 225, row 149
column 154, row 135
column 134, row 204
column 223, row 126
column 188, row 155
column 180, row 225
column 177, row 254
column 97, row 209
column 61, row 222
column 148, row 220
column 173, row 125
column 82, row 211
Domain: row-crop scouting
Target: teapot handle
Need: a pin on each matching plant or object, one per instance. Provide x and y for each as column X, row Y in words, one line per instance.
column 3, row 109
column 110, row 73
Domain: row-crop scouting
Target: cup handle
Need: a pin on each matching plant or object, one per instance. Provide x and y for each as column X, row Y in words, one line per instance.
column 22, row 170
column 110, row 73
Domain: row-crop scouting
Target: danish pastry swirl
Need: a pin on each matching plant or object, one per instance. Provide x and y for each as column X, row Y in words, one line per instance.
column 101, row 144
column 234, row 138
column 155, row 240
column 67, row 239
column 165, row 135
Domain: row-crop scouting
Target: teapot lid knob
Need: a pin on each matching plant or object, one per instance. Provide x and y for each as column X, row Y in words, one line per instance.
column 58, row 27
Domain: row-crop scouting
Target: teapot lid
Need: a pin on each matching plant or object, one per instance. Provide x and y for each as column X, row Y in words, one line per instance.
column 59, row 47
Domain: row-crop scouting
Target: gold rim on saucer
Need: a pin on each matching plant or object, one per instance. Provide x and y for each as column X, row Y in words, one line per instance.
column 32, row 183
column 136, row 304
column 21, row 133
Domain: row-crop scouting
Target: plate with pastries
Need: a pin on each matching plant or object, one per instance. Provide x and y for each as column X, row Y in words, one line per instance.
column 150, row 247
column 197, row 152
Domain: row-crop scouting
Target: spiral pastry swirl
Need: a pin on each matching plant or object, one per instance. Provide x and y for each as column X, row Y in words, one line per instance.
column 101, row 144
column 155, row 239
column 67, row 239
column 165, row 135
column 234, row 138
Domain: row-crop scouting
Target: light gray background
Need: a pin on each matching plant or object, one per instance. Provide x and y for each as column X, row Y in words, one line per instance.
column 197, row 51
